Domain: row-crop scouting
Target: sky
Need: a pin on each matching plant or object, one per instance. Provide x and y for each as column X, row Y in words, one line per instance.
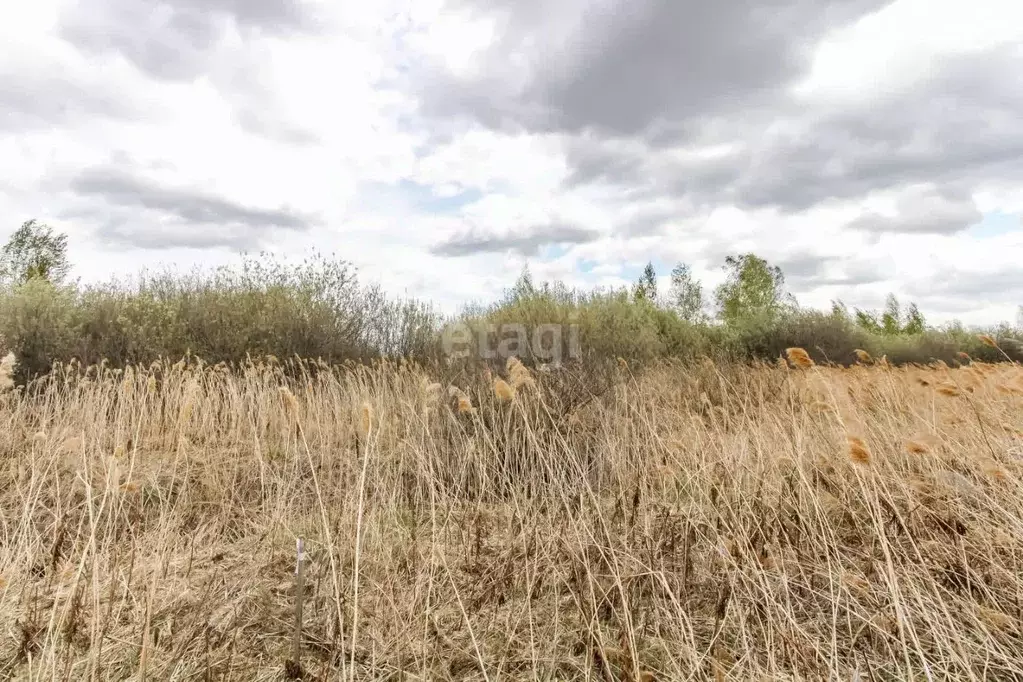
column 864, row 146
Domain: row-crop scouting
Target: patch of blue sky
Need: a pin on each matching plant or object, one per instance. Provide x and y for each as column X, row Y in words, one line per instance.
column 553, row 251
column 633, row 271
column 423, row 198
column 996, row 223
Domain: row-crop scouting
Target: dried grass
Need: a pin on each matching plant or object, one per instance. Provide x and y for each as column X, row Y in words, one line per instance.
column 688, row 523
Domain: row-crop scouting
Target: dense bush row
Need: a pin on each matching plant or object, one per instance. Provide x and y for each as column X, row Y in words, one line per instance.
column 616, row 324
column 319, row 309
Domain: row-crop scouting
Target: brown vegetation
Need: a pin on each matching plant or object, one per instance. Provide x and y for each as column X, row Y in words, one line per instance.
column 672, row 522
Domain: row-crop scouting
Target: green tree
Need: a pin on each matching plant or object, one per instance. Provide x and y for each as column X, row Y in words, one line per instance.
column 35, row 251
column 686, row 294
column 839, row 310
column 646, row 287
column 754, row 288
column 891, row 318
column 868, row 320
column 914, row 322
column 892, row 321
column 524, row 287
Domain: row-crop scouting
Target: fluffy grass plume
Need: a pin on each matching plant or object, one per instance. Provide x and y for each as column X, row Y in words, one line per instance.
column 799, row 358
column 463, row 405
column 858, row 450
column 702, row 521
column 8, row 366
column 366, row 420
column 518, row 374
column 503, row 390
column 987, row 340
column 863, row 356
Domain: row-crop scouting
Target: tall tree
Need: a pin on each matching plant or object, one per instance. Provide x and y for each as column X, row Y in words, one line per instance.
column 686, row 294
column 868, row 320
column 524, row 287
column 754, row 288
column 839, row 310
column 914, row 322
column 891, row 319
column 35, row 251
column 646, row 287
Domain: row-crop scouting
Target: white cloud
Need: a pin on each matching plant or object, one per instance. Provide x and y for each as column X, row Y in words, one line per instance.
column 515, row 124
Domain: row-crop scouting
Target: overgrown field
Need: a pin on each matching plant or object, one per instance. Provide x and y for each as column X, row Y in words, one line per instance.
column 677, row 522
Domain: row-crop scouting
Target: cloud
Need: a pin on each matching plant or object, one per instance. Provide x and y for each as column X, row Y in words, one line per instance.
column 31, row 103
column 958, row 125
column 924, row 210
column 657, row 101
column 627, row 68
column 847, row 141
column 1003, row 284
column 473, row 242
column 178, row 211
column 175, row 40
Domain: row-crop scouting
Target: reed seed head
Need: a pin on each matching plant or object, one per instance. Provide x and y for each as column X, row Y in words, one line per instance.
column 858, row 451
column 8, row 366
column 290, row 401
column 366, row 420
column 915, row 447
column 503, row 391
column 987, row 340
column 799, row 358
column 518, row 373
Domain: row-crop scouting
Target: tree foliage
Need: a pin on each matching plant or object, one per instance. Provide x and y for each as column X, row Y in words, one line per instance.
column 35, row 251
column 686, row 294
column 646, row 287
column 754, row 288
column 892, row 321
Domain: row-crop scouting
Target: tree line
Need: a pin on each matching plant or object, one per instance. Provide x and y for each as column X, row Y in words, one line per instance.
column 755, row 289
column 320, row 309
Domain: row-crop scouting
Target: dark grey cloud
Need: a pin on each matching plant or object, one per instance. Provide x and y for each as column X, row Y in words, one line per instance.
column 960, row 126
column 806, row 271
column 175, row 216
column 804, row 265
column 36, row 101
column 672, row 99
column 174, row 39
column 922, row 210
column 528, row 242
column 956, row 129
column 650, row 219
column 631, row 67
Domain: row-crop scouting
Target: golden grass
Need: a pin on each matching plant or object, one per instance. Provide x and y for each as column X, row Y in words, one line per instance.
column 708, row 522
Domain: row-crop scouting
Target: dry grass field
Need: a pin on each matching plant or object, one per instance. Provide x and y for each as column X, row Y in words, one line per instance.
column 713, row 522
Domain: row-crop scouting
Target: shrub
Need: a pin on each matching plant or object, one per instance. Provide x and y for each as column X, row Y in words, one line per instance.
column 316, row 309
